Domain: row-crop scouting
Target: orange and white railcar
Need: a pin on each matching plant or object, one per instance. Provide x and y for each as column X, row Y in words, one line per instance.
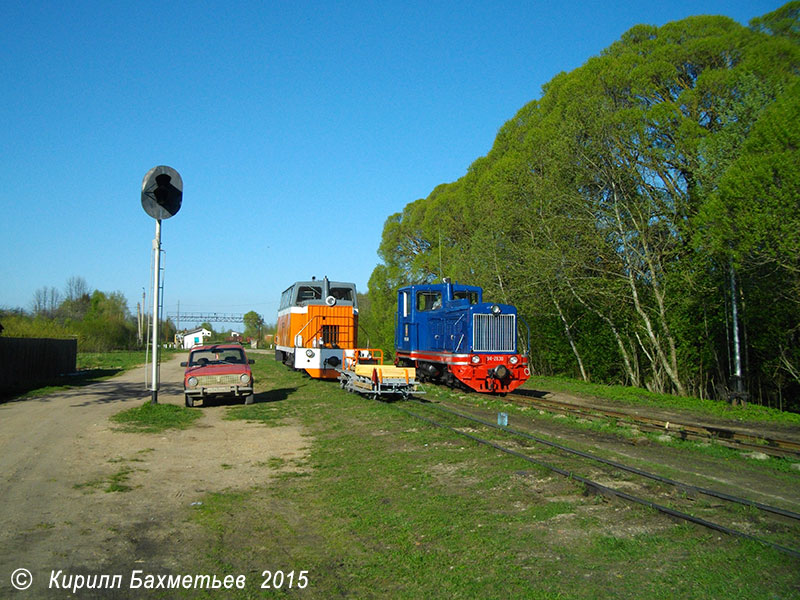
column 317, row 326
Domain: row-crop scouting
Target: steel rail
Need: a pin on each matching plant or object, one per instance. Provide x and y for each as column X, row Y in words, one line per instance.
column 728, row 437
column 685, row 486
column 605, row 490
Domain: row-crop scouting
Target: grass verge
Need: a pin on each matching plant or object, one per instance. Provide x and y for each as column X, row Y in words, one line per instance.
column 154, row 418
column 626, row 433
column 636, row 396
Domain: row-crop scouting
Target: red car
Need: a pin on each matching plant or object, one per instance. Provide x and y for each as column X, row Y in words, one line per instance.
column 217, row 370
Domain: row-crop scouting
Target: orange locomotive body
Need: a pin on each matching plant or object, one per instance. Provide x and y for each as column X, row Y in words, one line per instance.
column 317, row 326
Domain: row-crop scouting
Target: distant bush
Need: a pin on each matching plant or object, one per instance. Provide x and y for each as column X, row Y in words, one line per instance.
column 103, row 322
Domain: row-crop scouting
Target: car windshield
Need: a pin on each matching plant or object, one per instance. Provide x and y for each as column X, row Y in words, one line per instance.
column 216, row 356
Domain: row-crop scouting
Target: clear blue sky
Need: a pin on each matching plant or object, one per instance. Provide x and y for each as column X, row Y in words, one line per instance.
column 297, row 127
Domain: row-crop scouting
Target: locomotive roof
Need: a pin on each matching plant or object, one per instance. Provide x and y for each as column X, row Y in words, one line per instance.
column 318, row 291
column 436, row 286
column 319, row 282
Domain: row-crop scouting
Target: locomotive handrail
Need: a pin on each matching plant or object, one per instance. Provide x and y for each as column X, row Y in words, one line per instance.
column 352, row 361
column 302, row 329
column 333, row 318
column 461, row 339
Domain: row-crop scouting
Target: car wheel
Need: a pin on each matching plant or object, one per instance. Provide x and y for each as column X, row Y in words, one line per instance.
column 189, row 401
column 249, row 399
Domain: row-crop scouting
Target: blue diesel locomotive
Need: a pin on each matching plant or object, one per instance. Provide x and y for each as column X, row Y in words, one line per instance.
column 451, row 336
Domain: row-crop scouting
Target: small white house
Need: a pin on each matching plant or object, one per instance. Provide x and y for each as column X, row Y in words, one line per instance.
column 194, row 337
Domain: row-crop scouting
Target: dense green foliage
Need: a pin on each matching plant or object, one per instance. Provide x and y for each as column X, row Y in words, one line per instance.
column 621, row 210
column 100, row 321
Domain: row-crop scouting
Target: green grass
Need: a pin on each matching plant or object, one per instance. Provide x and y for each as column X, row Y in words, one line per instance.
column 154, row 418
column 391, row 507
column 116, row 482
column 638, row 396
column 119, row 360
column 776, row 465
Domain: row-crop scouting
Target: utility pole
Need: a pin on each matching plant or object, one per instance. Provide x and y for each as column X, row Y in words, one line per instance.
column 139, row 323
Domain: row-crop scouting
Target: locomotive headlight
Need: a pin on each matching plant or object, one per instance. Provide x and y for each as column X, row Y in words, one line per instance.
column 192, row 382
column 495, row 309
column 514, row 360
column 310, row 353
column 244, row 378
column 475, row 359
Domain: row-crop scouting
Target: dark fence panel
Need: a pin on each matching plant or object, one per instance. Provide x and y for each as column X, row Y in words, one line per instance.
column 24, row 361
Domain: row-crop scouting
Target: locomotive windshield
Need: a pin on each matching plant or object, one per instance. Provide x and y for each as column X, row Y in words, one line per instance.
column 342, row 293
column 309, row 292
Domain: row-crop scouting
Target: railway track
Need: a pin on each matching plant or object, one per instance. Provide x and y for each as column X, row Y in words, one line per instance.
column 688, row 431
column 676, row 499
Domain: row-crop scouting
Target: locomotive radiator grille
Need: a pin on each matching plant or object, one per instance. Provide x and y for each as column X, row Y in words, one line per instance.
column 493, row 333
column 330, row 335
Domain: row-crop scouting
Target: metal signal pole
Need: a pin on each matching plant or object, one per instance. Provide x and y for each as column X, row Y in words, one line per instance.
column 156, row 293
column 162, row 196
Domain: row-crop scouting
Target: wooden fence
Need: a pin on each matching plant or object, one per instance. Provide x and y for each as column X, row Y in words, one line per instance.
column 27, row 361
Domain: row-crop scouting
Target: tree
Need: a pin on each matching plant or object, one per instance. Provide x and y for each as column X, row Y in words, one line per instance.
column 253, row 324
column 46, row 301
column 76, row 288
column 76, row 299
column 784, row 22
column 752, row 220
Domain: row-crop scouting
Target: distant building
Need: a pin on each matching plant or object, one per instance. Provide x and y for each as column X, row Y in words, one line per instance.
column 194, row 337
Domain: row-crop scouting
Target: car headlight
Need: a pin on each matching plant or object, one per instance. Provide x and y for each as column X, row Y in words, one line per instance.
column 475, row 359
column 191, row 382
column 495, row 309
column 514, row 360
column 310, row 353
column 244, row 378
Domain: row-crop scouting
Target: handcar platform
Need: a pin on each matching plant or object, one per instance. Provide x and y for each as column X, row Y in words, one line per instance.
column 365, row 373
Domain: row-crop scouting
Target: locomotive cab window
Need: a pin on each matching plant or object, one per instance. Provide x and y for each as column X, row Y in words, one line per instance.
column 342, row 293
column 471, row 297
column 429, row 301
column 308, row 292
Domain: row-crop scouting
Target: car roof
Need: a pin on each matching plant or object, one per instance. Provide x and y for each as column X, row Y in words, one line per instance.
column 217, row 346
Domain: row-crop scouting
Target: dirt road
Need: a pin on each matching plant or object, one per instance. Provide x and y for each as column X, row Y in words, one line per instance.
column 59, row 454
